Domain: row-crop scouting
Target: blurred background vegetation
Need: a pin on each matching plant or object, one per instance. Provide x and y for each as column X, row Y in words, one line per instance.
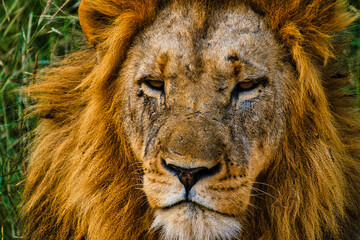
column 34, row 33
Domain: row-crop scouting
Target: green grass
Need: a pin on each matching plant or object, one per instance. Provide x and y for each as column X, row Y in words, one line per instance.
column 353, row 50
column 34, row 33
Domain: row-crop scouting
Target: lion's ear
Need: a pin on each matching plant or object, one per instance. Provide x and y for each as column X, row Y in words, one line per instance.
column 99, row 18
column 87, row 22
column 93, row 18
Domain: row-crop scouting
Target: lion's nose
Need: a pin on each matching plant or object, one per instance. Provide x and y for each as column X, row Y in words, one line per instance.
column 190, row 176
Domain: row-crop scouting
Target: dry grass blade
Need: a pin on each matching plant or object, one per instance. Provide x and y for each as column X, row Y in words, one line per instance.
column 45, row 11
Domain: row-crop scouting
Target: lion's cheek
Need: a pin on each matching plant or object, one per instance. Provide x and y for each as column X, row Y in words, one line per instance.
column 162, row 191
column 234, row 205
column 260, row 158
column 230, row 200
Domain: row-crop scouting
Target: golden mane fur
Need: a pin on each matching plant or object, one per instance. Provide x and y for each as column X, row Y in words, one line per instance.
column 77, row 188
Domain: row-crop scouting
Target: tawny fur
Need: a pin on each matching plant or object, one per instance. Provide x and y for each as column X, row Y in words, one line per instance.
column 80, row 181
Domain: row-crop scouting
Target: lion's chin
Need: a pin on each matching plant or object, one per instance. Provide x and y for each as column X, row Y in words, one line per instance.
column 189, row 221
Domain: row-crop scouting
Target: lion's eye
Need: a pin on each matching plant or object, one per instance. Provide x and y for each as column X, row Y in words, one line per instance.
column 155, row 84
column 246, row 85
column 243, row 87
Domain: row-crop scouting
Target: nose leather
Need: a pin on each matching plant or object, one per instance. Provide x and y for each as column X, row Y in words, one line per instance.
column 190, row 176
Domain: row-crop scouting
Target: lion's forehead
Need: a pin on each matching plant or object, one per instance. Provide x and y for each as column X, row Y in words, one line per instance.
column 190, row 34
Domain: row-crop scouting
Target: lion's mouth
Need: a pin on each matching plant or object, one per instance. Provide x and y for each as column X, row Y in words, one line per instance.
column 193, row 206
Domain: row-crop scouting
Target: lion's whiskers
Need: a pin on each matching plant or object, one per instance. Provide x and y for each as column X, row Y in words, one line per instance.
column 259, row 192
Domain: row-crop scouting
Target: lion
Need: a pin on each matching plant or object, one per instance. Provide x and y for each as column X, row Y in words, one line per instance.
column 197, row 120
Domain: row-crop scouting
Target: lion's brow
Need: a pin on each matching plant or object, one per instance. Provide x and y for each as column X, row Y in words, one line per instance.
column 162, row 62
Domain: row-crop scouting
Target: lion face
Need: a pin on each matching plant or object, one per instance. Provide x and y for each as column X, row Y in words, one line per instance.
column 231, row 122
column 206, row 104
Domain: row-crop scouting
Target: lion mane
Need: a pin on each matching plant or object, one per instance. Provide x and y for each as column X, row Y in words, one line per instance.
column 80, row 178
